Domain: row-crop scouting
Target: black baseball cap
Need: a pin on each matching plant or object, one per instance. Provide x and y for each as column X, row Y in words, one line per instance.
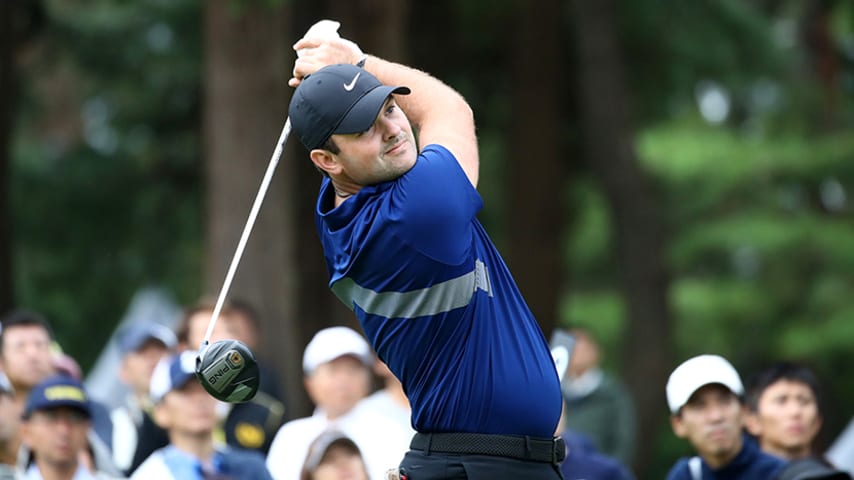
column 339, row 98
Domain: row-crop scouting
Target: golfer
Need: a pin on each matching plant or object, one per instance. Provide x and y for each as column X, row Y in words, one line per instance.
column 396, row 215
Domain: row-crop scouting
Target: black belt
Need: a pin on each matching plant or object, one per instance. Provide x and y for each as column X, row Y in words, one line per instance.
column 535, row 449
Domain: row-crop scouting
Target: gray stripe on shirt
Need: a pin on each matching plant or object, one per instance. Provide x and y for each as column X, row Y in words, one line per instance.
column 439, row 298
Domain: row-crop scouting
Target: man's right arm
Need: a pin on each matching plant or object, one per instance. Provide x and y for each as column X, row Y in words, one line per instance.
column 439, row 113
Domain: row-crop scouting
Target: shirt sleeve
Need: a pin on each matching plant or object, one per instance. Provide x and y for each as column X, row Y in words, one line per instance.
column 435, row 203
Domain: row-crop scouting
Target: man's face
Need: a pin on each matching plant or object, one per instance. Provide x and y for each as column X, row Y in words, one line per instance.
column 56, row 435
column 585, row 355
column 188, row 410
column 138, row 365
column 711, row 421
column 198, row 326
column 786, row 417
column 241, row 329
column 27, row 359
column 337, row 386
column 384, row 152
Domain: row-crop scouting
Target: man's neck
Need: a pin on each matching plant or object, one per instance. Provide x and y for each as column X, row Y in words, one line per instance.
column 794, row 453
column 724, row 459
column 198, row 445
column 56, row 472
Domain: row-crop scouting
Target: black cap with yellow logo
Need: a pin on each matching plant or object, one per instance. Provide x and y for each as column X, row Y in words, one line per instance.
column 58, row 391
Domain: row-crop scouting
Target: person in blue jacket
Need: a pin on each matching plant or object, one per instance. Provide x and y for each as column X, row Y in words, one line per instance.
column 584, row 462
column 705, row 396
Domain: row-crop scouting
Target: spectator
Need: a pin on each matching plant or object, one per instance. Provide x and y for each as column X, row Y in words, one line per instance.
column 783, row 410
column 142, row 345
column 337, row 364
column 54, row 429
column 9, row 421
column 25, row 351
column 188, row 413
column 28, row 356
column 597, row 404
column 334, row 456
column 250, row 425
column 391, row 400
column 194, row 324
column 584, row 462
column 705, row 398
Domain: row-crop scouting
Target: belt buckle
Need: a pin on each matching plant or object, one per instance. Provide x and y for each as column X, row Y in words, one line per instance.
column 558, row 453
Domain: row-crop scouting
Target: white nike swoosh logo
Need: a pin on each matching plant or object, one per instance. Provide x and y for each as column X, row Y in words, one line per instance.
column 349, row 86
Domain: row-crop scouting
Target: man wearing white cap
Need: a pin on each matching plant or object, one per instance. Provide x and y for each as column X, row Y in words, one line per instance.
column 705, row 398
column 337, row 363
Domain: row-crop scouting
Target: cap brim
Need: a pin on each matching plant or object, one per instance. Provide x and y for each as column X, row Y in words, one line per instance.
column 58, row 404
column 364, row 113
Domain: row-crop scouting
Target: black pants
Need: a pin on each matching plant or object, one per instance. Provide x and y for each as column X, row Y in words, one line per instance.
column 419, row 465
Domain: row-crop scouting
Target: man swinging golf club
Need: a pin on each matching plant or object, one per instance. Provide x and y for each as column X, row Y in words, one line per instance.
column 404, row 249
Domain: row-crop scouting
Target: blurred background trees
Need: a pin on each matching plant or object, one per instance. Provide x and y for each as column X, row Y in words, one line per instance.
column 675, row 176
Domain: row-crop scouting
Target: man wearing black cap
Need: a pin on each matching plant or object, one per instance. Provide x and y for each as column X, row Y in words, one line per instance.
column 397, row 220
column 55, row 426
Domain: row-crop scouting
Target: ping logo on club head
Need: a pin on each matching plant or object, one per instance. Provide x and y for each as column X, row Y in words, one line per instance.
column 219, row 374
column 235, row 359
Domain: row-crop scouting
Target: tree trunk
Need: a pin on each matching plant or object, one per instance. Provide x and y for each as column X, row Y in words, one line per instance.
column 8, row 94
column 378, row 26
column 245, row 105
column 608, row 135
column 536, row 165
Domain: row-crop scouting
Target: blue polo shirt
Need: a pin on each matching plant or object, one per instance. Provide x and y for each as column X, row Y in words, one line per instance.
column 437, row 302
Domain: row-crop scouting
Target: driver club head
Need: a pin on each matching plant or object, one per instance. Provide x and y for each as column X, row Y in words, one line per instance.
column 227, row 369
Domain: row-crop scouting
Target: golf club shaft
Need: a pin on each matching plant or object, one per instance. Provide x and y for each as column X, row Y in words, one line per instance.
column 247, row 229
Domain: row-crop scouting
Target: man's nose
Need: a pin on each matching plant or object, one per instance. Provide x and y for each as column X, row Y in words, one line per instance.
column 715, row 412
column 389, row 128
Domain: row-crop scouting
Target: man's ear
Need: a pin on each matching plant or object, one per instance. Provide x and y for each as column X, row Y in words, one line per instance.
column 326, row 161
column 678, row 426
column 752, row 423
column 309, row 388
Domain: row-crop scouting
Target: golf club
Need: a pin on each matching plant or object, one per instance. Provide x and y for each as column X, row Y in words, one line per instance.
column 228, row 369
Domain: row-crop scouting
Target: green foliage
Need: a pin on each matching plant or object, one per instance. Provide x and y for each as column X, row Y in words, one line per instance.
column 671, row 45
column 100, row 215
